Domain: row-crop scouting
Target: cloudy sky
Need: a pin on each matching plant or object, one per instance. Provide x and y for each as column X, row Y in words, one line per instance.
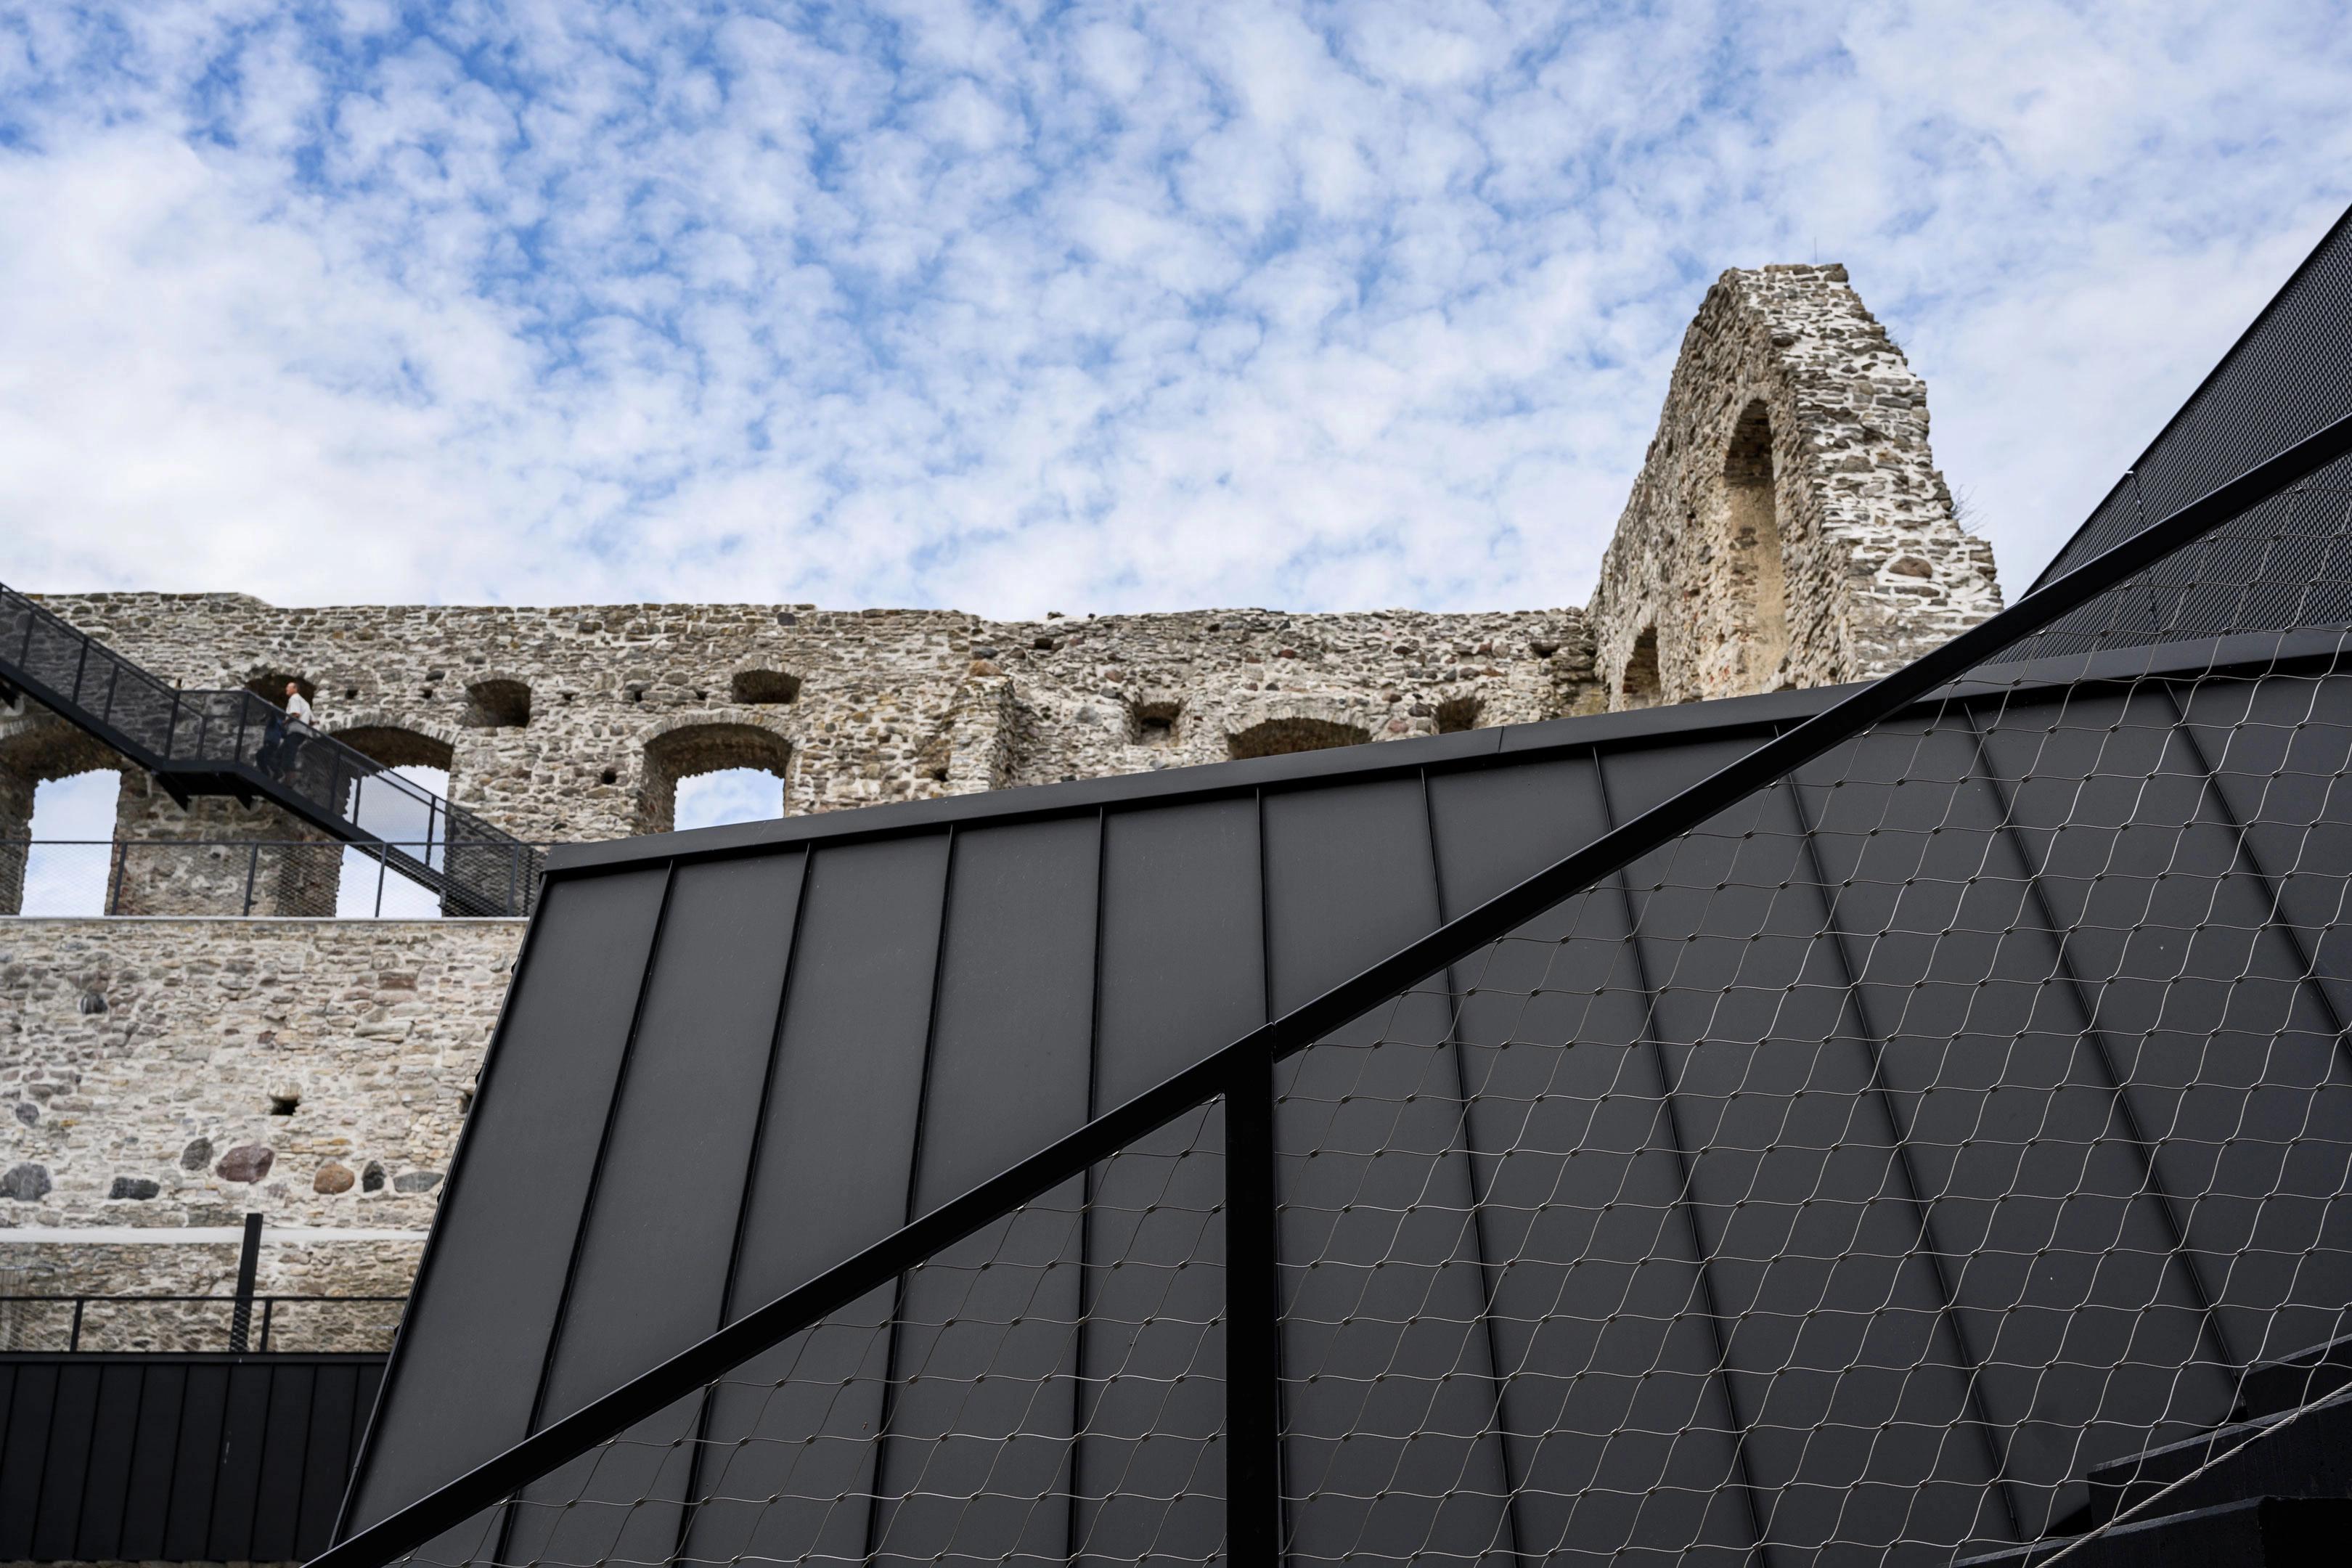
column 1086, row 307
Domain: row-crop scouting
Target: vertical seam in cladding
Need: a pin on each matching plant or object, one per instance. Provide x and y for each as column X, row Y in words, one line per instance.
column 41, row 1476
column 908, row 1214
column 1685, row 1170
column 596, row 1180
column 485, row 1081
column 1487, row 1269
column 2306, row 966
column 1087, row 1195
column 1873, row 1049
column 743, row 1196
column 2095, row 1035
column 1273, row 1228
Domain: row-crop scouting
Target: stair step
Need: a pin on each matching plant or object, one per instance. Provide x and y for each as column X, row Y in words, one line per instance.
column 2295, row 1380
column 2311, row 1457
column 2254, row 1532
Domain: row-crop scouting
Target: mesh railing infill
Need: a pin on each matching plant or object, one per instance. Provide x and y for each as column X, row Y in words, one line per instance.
column 1875, row 1153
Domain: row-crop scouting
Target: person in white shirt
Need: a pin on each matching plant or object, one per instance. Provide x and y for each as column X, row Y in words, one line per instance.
column 281, row 741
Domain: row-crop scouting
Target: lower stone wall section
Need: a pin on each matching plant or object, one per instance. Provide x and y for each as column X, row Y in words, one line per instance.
column 163, row 1074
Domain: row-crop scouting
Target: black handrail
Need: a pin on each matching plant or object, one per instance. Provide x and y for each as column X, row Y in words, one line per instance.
column 212, row 742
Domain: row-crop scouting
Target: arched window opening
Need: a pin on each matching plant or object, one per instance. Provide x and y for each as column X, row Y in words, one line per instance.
column 1640, row 687
column 1457, row 713
column 1759, row 587
column 498, row 704
column 758, row 687
column 1279, row 737
column 269, row 684
column 64, row 870
column 398, row 806
column 717, row 752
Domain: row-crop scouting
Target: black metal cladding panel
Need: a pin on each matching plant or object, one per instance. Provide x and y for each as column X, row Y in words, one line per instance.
column 650, row 1277
column 476, row 1332
column 159, row 1456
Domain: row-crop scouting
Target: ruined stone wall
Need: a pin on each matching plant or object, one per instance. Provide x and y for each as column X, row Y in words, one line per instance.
column 1788, row 527
column 163, row 1074
column 608, row 706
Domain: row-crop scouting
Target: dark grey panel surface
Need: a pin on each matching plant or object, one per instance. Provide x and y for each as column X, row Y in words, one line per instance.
column 477, row 1329
column 835, row 1170
column 650, row 1276
column 1183, row 944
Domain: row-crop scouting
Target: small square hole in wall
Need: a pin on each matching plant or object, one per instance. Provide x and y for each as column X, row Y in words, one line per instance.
column 1152, row 723
column 284, row 1104
column 608, row 776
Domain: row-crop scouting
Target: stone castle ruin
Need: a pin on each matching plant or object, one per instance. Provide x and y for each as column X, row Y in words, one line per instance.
column 1788, row 528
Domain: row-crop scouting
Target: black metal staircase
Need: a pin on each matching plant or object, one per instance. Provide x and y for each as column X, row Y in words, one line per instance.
column 234, row 744
column 2272, row 1486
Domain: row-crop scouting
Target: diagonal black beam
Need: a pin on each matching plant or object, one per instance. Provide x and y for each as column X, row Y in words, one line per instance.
column 1571, row 874
column 2102, row 1051
column 1686, row 1197
column 1874, row 1048
column 1489, row 1270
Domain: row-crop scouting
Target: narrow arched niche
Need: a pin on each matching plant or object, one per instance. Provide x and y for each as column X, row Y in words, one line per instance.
column 693, row 750
column 1639, row 686
column 1758, row 599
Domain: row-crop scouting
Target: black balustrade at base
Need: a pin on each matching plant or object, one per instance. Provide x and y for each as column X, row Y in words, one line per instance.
column 178, row 1456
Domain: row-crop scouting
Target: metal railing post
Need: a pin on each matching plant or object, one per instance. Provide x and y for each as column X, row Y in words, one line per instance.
column 268, row 1310
column 248, row 1264
column 114, row 883
column 73, row 1337
column 252, row 869
column 1252, row 1324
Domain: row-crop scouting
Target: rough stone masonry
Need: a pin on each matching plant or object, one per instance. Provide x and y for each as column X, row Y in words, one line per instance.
column 1788, row 528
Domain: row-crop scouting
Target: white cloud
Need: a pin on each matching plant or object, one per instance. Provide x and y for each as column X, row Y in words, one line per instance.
column 1120, row 307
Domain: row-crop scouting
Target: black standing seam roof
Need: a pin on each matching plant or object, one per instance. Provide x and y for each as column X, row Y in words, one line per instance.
column 733, row 1059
